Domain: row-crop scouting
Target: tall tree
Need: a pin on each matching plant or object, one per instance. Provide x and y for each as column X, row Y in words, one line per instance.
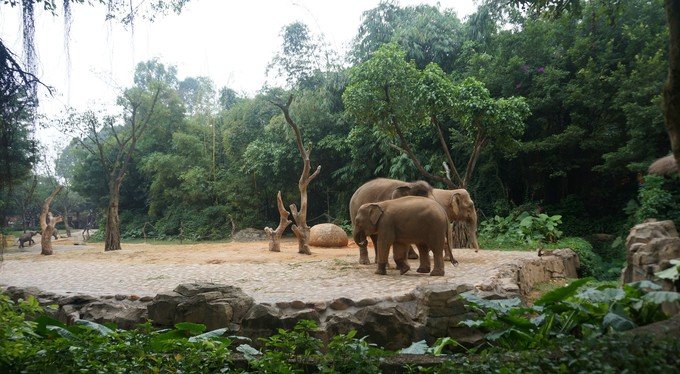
column 114, row 145
column 300, row 229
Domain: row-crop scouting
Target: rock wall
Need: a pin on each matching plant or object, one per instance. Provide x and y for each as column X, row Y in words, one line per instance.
column 650, row 246
column 428, row 312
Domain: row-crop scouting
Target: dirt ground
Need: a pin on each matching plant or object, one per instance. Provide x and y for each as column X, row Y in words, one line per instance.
column 174, row 253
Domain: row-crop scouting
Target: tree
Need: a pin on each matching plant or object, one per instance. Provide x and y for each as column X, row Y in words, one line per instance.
column 114, row 145
column 17, row 148
column 48, row 223
column 671, row 91
column 300, row 229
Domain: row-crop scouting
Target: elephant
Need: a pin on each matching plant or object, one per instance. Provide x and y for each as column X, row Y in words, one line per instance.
column 400, row 223
column 378, row 190
column 27, row 237
column 459, row 207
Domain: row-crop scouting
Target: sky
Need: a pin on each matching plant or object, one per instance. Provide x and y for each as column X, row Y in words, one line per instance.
column 229, row 41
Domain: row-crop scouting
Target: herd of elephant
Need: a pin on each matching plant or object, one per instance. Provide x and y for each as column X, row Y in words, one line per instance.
column 397, row 214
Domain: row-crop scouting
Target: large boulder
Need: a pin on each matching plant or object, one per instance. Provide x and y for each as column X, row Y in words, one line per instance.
column 327, row 235
column 214, row 305
column 650, row 247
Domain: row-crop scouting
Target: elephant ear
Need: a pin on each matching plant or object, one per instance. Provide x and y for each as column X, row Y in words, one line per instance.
column 374, row 214
column 401, row 192
column 454, row 203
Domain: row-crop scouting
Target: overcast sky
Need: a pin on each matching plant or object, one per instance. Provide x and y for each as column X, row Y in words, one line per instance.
column 229, row 41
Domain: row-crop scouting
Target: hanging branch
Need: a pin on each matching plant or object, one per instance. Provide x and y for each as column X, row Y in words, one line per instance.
column 275, row 235
column 300, row 229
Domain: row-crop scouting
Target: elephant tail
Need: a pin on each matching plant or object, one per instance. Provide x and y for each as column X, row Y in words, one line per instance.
column 449, row 244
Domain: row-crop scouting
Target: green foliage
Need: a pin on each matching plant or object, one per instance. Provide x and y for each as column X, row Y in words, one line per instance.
column 659, row 199
column 570, row 310
column 523, row 228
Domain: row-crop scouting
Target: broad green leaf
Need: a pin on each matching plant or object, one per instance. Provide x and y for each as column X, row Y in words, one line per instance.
column 61, row 331
column 617, row 322
column 416, row 348
column 644, row 284
column 671, row 273
column 194, row 328
column 658, row 297
column 209, row 335
column 101, row 329
column 560, row 294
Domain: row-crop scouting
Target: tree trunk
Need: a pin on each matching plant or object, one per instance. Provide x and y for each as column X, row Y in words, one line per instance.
column 112, row 242
column 671, row 92
column 48, row 228
column 275, row 235
column 66, row 226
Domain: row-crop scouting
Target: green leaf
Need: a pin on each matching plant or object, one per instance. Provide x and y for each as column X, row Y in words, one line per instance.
column 416, row 348
column 248, row 351
column 560, row 294
column 214, row 334
column 61, row 331
column 659, row 297
column 194, row 328
column 672, row 273
column 101, row 329
column 617, row 322
column 644, row 284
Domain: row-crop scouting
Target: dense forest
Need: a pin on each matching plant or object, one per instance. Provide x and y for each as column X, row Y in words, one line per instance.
column 557, row 113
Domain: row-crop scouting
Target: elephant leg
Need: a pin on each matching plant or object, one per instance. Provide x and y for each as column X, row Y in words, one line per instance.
column 374, row 239
column 363, row 254
column 399, row 254
column 424, row 259
column 382, row 254
column 412, row 255
column 438, row 259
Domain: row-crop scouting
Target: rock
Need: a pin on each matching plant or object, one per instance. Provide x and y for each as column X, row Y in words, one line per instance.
column 341, row 303
column 124, row 315
column 327, row 235
column 214, row 305
column 260, row 321
column 390, row 327
column 249, row 235
column 650, row 246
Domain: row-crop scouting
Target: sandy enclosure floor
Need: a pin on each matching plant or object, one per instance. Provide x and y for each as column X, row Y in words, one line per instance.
column 147, row 269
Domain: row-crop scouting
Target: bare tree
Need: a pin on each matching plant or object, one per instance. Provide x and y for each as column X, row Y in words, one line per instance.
column 114, row 153
column 275, row 235
column 47, row 223
column 300, row 228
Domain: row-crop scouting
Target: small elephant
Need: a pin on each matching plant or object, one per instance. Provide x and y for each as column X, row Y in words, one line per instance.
column 378, row 190
column 459, row 207
column 26, row 237
column 402, row 222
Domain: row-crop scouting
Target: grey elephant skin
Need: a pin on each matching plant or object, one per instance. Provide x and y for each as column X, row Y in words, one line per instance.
column 459, row 207
column 26, row 237
column 378, row 190
column 402, row 222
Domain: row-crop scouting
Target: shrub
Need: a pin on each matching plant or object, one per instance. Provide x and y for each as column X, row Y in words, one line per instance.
column 523, row 228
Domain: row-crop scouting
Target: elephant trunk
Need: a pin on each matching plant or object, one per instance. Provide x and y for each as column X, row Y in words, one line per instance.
column 359, row 237
column 472, row 230
column 449, row 244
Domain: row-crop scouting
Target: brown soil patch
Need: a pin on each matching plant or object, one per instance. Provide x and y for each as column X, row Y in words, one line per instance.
column 199, row 253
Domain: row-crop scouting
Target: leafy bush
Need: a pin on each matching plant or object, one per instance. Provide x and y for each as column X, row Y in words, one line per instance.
column 591, row 263
column 569, row 310
column 657, row 199
column 523, row 228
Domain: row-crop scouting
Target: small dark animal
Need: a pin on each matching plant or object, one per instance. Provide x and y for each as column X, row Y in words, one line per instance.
column 26, row 237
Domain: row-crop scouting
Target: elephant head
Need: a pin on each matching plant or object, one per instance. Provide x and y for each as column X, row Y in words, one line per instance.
column 366, row 222
column 417, row 188
column 459, row 207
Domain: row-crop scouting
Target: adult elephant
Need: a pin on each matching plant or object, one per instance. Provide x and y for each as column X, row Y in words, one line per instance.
column 459, row 207
column 402, row 222
column 382, row 189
